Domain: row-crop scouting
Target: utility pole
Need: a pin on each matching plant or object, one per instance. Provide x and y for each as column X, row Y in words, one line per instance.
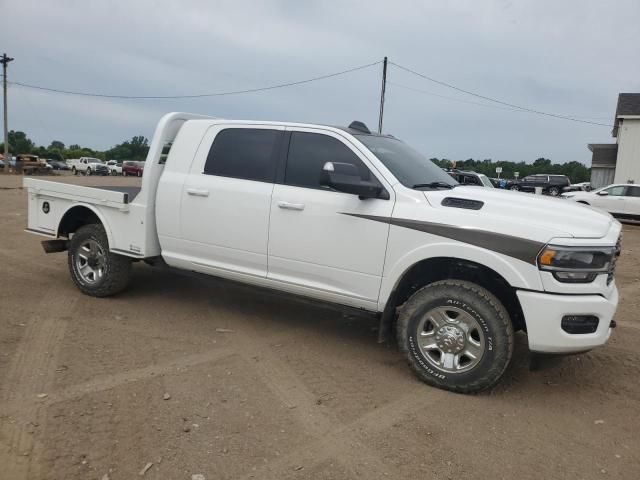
column 382, row 92
column 5, row 60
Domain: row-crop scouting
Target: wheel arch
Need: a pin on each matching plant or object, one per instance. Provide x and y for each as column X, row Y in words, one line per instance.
column 78, row 215
column 430, row 270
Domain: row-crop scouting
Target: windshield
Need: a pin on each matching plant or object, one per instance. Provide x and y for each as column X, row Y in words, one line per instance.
column 408, row 166
column 485, row 180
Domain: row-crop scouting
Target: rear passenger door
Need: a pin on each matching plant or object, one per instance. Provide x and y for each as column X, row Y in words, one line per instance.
column 316, row 244
column 226, row 199
column 632, row 202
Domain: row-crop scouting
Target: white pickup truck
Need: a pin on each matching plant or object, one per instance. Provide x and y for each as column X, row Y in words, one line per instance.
column 361, row 220
column 88, row 166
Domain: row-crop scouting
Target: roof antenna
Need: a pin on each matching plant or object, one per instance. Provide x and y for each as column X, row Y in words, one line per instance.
column 359, row 126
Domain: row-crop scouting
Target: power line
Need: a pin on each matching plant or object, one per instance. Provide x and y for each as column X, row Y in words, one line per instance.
column 494, row 100
column 452, row 98
column 461, row 100
column 202, row 95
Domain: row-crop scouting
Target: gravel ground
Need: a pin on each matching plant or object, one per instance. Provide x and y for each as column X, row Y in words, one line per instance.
column 204, row 377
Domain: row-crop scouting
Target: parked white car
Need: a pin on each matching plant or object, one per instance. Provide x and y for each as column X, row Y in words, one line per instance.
column 115, row 167
column 361, row 220
column 88, row 166
column 621, row 200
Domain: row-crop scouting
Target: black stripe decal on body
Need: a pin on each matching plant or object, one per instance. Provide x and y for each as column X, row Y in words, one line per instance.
column 516, row 247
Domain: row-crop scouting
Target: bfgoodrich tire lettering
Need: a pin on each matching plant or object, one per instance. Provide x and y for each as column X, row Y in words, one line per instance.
column 90, row 242
column 478, row 304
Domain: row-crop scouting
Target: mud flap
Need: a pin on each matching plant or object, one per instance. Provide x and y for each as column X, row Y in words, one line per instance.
column 54, row 246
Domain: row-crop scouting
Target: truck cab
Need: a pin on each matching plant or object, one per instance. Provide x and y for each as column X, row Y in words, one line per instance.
column 359, row 220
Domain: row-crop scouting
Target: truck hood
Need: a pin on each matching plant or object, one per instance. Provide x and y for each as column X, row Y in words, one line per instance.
column 511, row 212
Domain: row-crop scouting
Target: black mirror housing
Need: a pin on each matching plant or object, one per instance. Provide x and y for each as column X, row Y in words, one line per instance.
column 345, row 177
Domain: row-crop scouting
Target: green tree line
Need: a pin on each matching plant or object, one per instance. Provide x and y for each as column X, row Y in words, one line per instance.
column 134, row 149
column 576, row 171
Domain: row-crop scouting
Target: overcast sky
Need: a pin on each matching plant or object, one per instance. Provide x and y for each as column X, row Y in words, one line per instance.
column 569, row 57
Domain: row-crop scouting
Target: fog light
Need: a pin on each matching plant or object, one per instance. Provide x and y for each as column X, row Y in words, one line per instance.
column 576, row 324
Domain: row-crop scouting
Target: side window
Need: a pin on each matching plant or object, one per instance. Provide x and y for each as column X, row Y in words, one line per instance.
column 616, row 191
column 633, row 191
column 308, row 152
column 165, row 152
column 247, row 153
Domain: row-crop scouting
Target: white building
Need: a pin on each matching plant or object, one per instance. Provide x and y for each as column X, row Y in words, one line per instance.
column 619, row 162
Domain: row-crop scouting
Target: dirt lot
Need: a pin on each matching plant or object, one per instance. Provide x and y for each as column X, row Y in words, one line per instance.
column 203, row 377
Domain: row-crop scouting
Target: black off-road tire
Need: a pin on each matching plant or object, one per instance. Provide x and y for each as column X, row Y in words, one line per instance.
column 488, row 312
column 117, row 269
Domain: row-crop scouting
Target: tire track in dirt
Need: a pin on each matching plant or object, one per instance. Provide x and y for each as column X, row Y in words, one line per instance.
column 346, row 440
column 334, row 438
column 30, row 374
column 116, row 380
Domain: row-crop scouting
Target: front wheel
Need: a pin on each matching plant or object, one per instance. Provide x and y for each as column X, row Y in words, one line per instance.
column 88, row 172
column 94, row 269
column 456, row 335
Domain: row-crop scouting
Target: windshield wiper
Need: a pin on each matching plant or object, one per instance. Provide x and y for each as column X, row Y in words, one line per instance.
column 434, row 185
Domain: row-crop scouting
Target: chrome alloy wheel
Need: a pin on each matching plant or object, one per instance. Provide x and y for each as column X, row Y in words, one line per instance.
column 450, row 339
column 90, row 261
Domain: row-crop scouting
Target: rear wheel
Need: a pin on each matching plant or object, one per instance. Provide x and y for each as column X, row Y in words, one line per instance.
column 456, row 335
column 554, row 191
column 94, row 269
column 515, row 188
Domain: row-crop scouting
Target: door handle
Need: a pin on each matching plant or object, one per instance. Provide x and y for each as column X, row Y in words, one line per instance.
column 197, row 192
column 291, row 206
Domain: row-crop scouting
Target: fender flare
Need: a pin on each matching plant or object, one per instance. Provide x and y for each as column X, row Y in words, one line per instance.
column 95, row 211
column 517, row 273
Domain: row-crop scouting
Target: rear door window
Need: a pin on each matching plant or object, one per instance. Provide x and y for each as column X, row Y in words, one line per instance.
column 633, row 191
column 246, row 153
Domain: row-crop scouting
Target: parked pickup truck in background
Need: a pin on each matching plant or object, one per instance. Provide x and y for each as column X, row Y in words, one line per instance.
column 88, row 166
column 360, row 220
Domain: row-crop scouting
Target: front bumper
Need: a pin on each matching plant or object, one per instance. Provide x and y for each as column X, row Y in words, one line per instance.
column 543, row 314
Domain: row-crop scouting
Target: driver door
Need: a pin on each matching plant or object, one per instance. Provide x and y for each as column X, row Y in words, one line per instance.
column 316, row 246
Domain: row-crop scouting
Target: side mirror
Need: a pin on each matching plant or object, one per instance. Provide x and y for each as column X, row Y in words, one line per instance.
column 603, row 193
column 345, row 177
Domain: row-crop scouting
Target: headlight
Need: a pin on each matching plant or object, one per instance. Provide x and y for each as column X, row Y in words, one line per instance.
column 576, row 264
